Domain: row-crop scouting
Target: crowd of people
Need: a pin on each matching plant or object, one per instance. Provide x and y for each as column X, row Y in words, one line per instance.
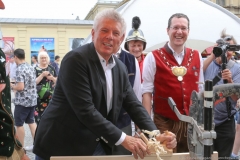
column 32, row 87
column 103, row 95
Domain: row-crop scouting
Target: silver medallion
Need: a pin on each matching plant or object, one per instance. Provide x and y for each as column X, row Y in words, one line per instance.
column 180, row 78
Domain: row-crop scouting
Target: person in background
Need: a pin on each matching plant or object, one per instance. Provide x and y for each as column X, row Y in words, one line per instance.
column 237, row 108
column 13, row 67
column 26, row 97
column 124, row 121
column 34, row 61
column 46, row 79
column 56, row 64
column 10, row 148
column 135, row 43
column 160, row 78
column 223, row 118
column 88, row 97
column 236, row 145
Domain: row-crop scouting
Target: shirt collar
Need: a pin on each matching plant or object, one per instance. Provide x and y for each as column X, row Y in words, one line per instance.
column 174, row 53
column 111, row 61
column 118, row 53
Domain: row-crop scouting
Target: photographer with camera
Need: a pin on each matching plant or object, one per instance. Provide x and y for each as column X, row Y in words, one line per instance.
column 221, row 69
column 236, row 145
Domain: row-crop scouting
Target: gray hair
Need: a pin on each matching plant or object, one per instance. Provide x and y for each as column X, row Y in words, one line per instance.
column 228, row 36
column 109, row 14
column 43, row 53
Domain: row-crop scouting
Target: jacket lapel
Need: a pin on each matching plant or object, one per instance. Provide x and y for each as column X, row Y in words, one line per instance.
column 99, row 69
column 113, row 115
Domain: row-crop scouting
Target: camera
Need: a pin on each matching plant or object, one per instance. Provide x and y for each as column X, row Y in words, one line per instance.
column 224, row 46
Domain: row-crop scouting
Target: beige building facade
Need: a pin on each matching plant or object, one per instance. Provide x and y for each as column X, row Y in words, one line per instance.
column 62, row 31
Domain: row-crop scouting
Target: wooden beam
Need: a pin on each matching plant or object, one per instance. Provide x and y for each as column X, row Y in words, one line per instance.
column 175, row 156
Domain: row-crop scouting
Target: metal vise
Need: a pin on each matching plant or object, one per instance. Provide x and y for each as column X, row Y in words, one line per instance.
column 199, row 138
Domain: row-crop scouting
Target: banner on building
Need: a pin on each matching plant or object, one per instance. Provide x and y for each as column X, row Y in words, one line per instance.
column 42, row 44
column 75, row 42
column 8, row 46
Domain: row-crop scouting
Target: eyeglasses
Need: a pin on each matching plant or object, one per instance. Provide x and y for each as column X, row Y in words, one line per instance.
column 183, row 29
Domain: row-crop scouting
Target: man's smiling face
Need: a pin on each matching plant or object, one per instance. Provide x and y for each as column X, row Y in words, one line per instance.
column 178, row 32
column 107, row 37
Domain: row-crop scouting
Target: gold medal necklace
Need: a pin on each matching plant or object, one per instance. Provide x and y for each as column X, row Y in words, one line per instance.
column 178, row 71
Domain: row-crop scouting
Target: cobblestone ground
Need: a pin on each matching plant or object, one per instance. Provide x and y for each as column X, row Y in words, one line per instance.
column 28, row 137
column 28, row 141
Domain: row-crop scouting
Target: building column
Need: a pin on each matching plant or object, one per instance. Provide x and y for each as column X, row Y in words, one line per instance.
column 21, row 42
column 61, row 41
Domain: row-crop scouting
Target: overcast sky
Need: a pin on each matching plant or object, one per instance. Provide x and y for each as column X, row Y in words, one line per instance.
column 47, row 9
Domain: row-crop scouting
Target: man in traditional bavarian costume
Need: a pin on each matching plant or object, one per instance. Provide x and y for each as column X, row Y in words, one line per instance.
column 172, row 71
column 135, row 43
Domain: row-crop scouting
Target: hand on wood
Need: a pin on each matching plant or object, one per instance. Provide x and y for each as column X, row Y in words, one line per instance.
column 167, row 138
column 136, row 146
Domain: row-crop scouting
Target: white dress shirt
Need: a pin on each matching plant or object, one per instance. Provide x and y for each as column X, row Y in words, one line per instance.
column 149, row 70
column 137, row 82
column 107, row 67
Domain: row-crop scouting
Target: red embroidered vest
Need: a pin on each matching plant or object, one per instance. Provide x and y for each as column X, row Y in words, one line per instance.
column 167, row 85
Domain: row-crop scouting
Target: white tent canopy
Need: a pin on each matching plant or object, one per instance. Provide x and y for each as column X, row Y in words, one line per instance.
column 207, row 20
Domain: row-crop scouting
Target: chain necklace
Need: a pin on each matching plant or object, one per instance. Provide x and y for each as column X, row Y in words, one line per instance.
column 178, row 71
